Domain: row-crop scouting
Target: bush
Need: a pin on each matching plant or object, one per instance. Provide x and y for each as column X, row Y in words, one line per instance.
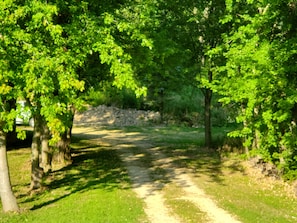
column 186, row 107
column 122, row 98
column 183, row 107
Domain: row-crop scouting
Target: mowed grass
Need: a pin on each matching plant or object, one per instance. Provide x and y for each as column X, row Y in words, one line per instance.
column 94, row 188
column 182, row 207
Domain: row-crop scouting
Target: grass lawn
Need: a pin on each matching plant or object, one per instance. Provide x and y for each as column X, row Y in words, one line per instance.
column 96, row 187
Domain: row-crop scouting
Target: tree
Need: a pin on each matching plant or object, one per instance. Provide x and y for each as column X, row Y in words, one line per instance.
column 8, row 94
column 48, row 44
column 8, row 199
column 259, row 75
column 195, row 28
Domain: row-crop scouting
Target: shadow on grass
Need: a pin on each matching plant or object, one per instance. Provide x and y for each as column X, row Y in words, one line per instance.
column 14, row 143
column 93, row 167
column 200, row 160
column 187, row 150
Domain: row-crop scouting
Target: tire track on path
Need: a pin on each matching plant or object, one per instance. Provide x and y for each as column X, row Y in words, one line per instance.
column 148, row 191
column 147, row 188
column 194, row 194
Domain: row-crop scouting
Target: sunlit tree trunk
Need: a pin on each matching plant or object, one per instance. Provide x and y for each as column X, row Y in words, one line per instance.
column 9, row 202
column 46, row 153
column 63, row 145
column 36, row 170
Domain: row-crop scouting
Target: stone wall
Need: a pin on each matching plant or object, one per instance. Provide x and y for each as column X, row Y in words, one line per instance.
column 105, row 115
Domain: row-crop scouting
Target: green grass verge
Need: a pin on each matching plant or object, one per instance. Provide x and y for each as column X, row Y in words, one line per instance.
column 94, row 188
column 184, row 208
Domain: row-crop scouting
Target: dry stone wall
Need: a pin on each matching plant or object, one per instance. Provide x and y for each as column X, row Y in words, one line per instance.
column 105, row 115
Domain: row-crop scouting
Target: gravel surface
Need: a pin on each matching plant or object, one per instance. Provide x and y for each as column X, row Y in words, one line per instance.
column 109, row 115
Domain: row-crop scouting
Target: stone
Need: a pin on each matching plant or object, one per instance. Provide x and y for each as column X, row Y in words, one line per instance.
column 113, row 116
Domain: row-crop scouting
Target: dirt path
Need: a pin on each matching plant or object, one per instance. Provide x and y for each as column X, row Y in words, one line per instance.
column 134, row 151
column 156, row 210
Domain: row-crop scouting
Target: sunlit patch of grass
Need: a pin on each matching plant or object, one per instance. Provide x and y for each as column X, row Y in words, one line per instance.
column 94, row 188
column 20, row 165
column 182, row 207
column 170, row 135
column 245, row 197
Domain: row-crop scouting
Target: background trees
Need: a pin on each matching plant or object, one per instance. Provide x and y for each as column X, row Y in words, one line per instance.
column 259, row 76
column 191, row 29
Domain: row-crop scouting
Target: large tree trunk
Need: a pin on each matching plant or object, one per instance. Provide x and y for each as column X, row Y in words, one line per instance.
column 46, row 153
column 8, row 199
column 36, row 170
column 63, row 145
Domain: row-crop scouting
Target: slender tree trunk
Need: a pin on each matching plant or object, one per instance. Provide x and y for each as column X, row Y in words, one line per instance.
column 46, row 153
column 9, row 202
column 207, row 113
column 256, row 139
column 245, row 124
column 207, row 118
column 161, row 94
column 36, row 170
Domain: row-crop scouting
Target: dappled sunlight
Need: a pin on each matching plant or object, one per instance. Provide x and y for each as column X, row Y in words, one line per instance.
column 93, row 167
column 181, row 147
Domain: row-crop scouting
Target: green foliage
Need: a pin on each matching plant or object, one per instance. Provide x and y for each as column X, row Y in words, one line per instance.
column 258, row 74
column 52, row 51
column 122, row 98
